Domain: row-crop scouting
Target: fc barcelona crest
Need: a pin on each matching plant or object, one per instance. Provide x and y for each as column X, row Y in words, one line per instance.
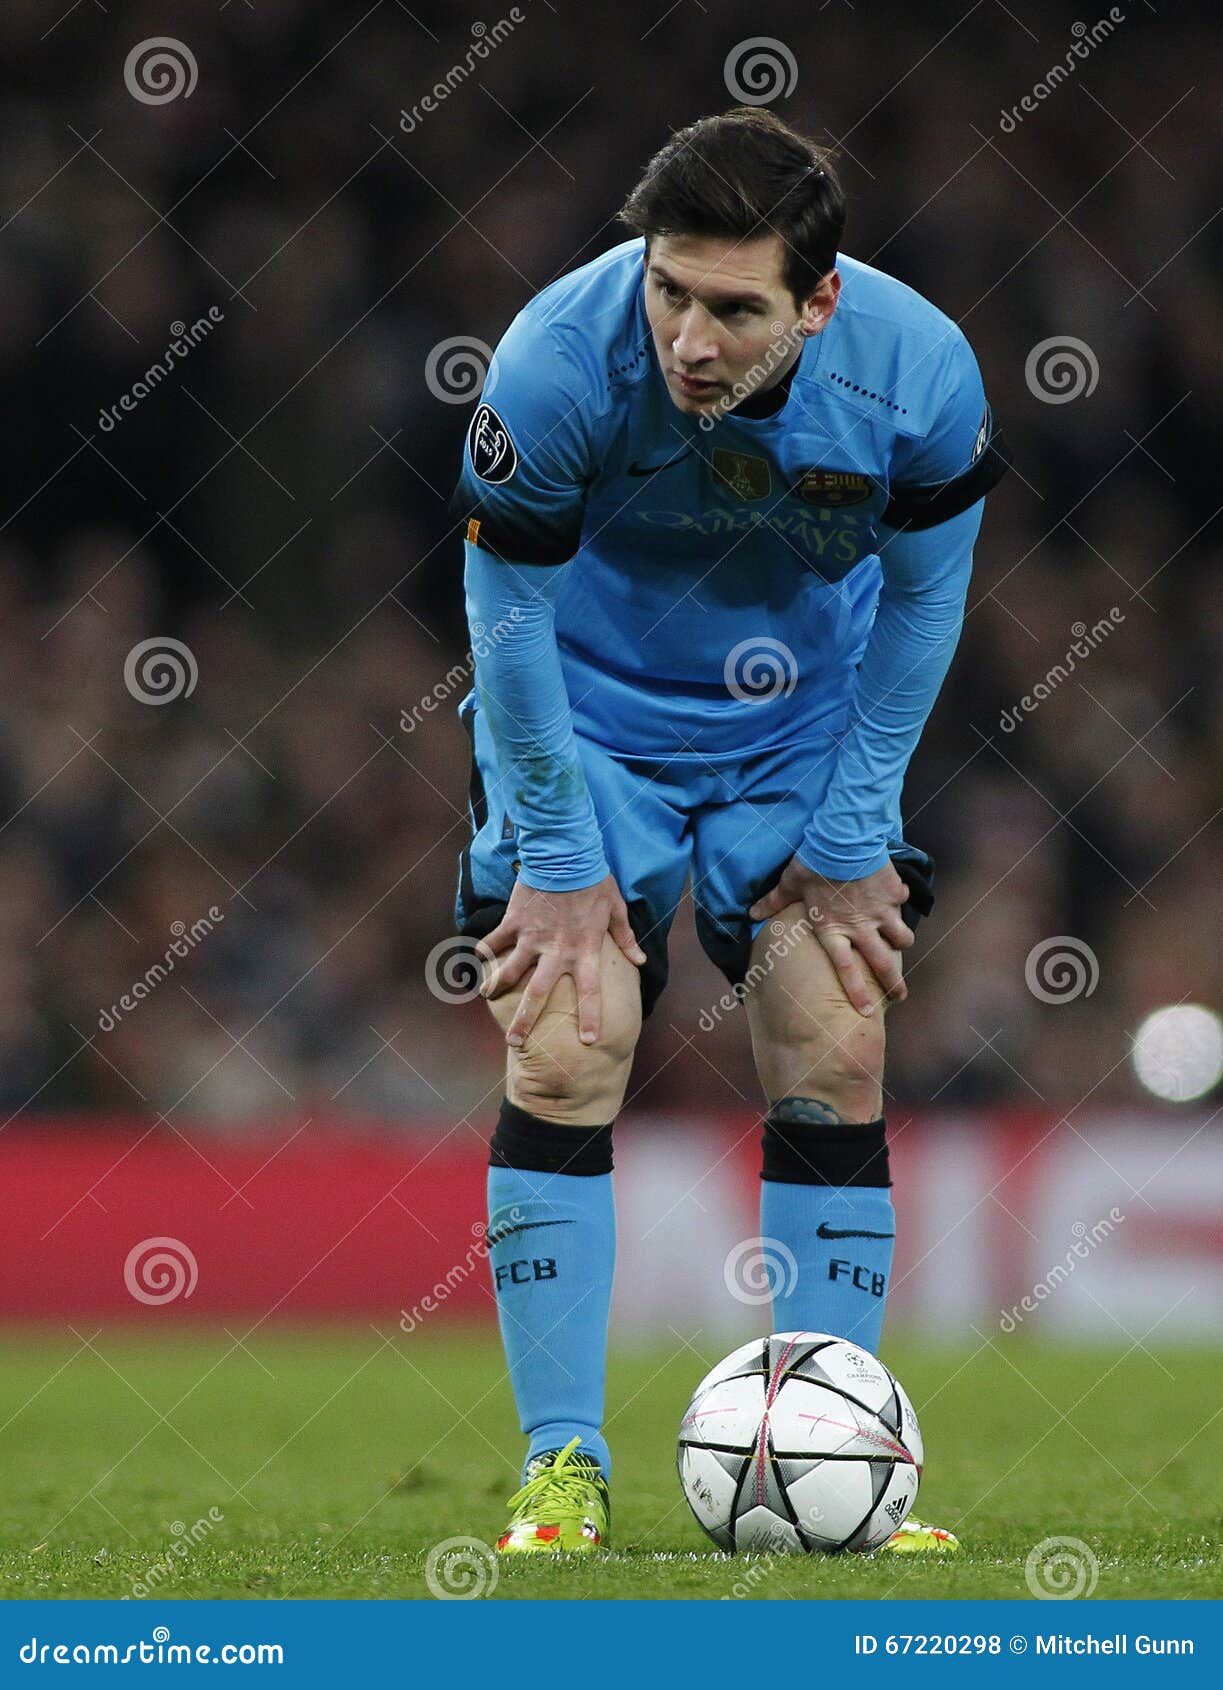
column 746, row 477
column 835, row 487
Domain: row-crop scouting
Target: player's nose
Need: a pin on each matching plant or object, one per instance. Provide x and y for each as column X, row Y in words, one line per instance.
column 692, row 344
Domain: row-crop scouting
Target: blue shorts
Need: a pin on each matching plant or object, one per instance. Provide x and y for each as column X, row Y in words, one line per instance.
column 735, row 825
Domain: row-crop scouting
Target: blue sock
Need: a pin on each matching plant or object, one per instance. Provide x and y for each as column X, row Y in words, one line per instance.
column 552, row 1249
column 825, row 1200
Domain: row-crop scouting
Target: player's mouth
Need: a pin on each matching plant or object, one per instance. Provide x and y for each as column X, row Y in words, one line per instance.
column 694, row 387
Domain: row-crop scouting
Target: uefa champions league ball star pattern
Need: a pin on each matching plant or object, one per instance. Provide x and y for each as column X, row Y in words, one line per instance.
column 800, row 1442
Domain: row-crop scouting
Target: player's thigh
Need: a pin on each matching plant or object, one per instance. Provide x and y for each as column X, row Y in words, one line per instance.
column 808, row 1039
column 553, row 1074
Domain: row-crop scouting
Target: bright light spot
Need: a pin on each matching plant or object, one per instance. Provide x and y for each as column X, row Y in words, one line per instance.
column 1178, row 1052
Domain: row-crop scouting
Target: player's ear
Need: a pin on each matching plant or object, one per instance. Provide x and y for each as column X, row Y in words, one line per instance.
column 818, row 308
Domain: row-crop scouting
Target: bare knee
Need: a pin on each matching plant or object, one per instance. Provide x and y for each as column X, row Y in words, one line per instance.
column 844, row 1074
column 553, row 1074
column 811, row 1042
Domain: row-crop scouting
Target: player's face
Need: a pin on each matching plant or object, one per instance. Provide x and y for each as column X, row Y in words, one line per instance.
column 724, row 322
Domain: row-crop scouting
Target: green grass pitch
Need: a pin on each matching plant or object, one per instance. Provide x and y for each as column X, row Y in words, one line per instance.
column 337, row 1459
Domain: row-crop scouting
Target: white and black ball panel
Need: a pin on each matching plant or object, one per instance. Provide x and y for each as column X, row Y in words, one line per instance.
column 711, row 1487
column 810, row 1419
column 910, row 1431
column 763, row 1488
column 761, row 1529
column 832, row 1501
column 853, row 1371
column 788, row 1351
column 889, row 1513
column 727, row 1415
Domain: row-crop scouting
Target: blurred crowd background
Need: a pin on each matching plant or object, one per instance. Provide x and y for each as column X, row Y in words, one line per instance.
column 278, row 504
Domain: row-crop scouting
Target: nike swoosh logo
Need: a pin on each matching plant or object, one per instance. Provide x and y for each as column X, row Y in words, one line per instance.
column 524, row 1226
column 823, row 1230
column 653, row 469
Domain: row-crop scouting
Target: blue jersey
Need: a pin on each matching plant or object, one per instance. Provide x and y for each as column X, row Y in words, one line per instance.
column 725, row 578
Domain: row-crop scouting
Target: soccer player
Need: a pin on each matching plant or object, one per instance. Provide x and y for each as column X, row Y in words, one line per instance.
column 719, row 500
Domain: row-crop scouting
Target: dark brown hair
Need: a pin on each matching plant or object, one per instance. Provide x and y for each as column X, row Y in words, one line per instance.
column 740, row 175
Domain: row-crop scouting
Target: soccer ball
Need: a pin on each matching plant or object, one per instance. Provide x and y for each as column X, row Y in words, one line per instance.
column 800, row 1442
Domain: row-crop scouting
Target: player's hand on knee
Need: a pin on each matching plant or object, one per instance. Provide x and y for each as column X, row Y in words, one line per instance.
column 856, row 921
column 546, row 935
